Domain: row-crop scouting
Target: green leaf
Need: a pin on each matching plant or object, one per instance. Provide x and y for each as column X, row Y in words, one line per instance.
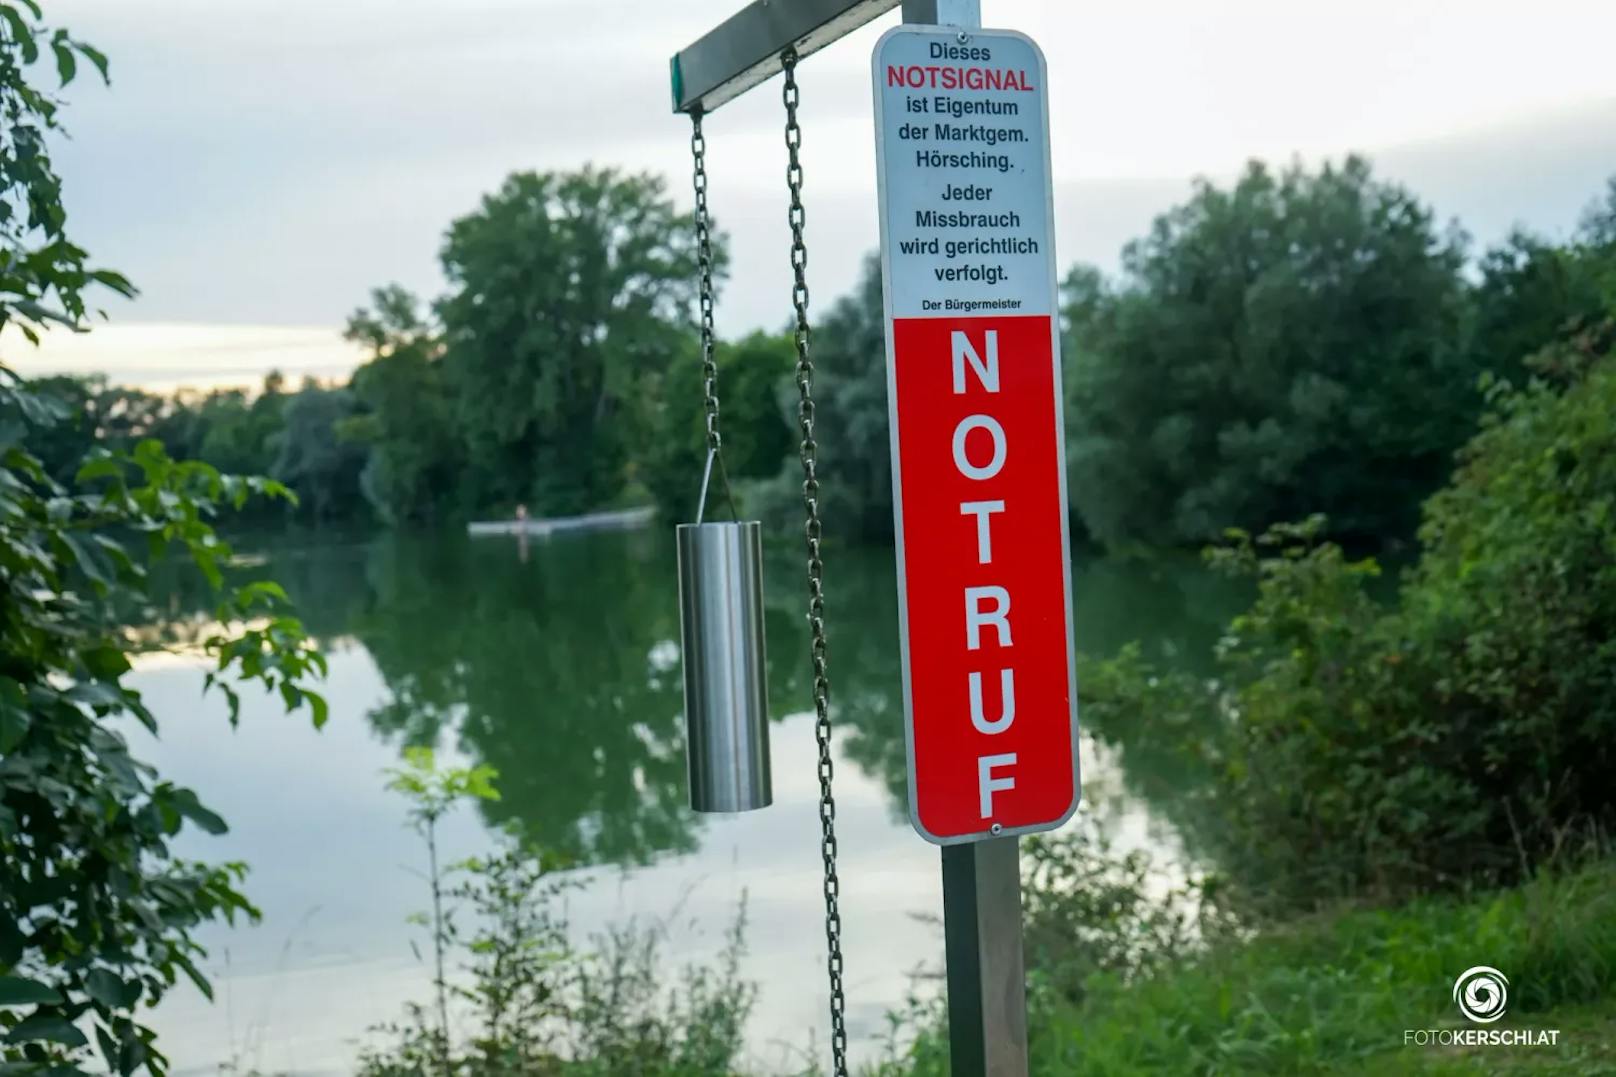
column 20, row 991
column 14, row 714
column 261, row 590
column 21, row 33
column 97, row 694
column 194, row 974
column 119, row 556
column 88, row 558
column 480, row 782
column 186, row 803
column 12, row 430
column 106, row 663
column 111, row 278
column 66, row 64
column 48, row 1028
column 109, row 1046
column 95, row 56
column 319, row 708
column 100, row 467
column 13, row 728
column 107, row 988
column 136, row 1053
column 43, row 314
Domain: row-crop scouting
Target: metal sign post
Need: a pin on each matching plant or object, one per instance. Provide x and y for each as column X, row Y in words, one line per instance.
column 973, row 361
column 987, row 985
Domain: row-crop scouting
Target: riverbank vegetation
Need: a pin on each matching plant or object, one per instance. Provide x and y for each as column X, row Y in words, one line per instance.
column 1460, row 734
column 529, row 999
column 1390, row 790
column 1336, row 991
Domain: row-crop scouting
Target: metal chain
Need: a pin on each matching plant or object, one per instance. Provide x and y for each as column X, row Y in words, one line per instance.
column 809, row 450
column 709, row 366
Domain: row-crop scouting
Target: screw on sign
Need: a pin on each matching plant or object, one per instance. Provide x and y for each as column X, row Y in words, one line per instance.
column 978, row 467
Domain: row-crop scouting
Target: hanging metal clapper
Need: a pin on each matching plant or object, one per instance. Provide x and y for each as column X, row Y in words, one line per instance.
column 726, row 685
column 721, row 607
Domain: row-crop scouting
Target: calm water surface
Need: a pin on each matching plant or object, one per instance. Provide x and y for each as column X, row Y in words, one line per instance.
column 558, row 664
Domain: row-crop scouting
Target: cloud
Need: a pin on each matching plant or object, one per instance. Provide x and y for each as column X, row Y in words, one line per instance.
column 164, row 357
column 264, row 163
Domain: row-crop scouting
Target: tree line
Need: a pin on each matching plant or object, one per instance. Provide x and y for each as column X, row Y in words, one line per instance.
column 1296, row 342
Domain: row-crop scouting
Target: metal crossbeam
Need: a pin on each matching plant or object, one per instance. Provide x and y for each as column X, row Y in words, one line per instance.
column 745, row 48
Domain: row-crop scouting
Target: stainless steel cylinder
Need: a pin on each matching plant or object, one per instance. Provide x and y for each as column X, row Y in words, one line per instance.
column 726, row 687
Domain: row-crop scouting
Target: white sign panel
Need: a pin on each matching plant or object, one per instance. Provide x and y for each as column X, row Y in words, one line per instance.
column 963, row 143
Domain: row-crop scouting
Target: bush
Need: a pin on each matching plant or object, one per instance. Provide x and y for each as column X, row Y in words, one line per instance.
column 1461, row 734
column 538, row 1004
column 1087, row 908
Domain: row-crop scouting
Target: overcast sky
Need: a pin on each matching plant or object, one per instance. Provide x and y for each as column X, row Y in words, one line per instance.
column 262, row 165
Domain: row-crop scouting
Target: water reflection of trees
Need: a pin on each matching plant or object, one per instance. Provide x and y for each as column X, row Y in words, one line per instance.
column 562, row 669
column 557, row 670
column 1172, row 607
column 323, row 572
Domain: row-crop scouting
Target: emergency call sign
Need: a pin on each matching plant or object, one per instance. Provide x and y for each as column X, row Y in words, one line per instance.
column 978, row 464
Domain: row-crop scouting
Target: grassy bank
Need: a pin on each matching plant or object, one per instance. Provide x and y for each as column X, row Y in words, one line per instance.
column 1334, row 993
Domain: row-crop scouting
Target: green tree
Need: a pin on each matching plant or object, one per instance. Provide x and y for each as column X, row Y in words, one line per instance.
column 753, row 373
column 315, row 459
column 1597, row 229
column 1290, row 345
column 567, row 291
column 415, row 460
column 850, row 422
column 96, row 911
column 233, row 429
column 1533, row 292
column 1530, row 291
column 849, row 352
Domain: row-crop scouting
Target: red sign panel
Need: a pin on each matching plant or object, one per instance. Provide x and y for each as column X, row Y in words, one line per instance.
column 978, row 461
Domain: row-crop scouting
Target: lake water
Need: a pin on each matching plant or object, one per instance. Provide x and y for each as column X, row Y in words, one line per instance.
column 557, row 663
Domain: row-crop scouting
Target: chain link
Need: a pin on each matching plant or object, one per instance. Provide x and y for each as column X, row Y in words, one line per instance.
column 809, row 451
column 704, row 262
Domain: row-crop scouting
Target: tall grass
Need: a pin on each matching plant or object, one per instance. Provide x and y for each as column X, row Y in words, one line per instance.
column 1334, row 992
